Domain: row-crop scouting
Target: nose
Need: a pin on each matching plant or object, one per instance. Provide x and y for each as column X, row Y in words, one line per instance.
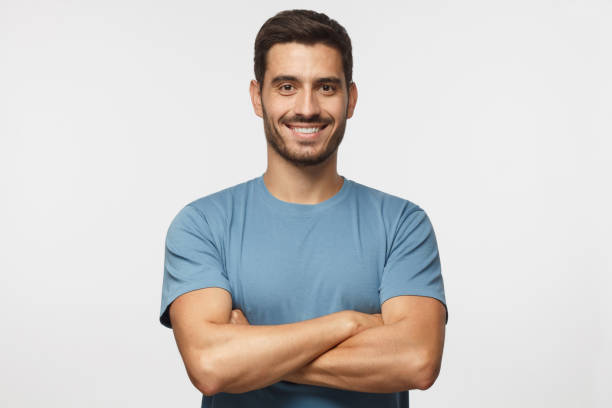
column 307, row 104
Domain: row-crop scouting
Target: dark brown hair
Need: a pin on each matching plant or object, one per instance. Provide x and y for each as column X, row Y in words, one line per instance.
column 304, row 27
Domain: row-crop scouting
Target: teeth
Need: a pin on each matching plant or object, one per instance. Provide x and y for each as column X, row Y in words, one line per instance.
column 306, row 130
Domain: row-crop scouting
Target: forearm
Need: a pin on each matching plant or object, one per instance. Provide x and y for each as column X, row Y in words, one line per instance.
column 240, row 358
column 378, row 360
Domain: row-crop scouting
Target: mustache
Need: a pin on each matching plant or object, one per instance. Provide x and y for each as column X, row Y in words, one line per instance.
column 302, row 119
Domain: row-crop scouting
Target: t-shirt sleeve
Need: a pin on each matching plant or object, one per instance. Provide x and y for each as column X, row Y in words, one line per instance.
column 413, row 263
column 192, row 259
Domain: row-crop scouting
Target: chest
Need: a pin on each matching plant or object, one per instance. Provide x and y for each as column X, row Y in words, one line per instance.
column 284, row 269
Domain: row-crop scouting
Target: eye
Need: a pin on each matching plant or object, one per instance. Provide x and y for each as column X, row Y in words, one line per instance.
column 328, row 89
column 286, row 89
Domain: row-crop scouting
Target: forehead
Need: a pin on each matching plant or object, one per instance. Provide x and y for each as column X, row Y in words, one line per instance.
column 305, row 62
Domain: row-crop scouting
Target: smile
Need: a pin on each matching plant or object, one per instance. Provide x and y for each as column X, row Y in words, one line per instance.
column 306, row 131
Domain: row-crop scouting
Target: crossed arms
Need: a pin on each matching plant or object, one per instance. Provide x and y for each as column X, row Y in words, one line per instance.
column 397, row 350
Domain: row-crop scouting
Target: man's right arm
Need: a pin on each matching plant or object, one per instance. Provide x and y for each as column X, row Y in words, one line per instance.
column 223, row 357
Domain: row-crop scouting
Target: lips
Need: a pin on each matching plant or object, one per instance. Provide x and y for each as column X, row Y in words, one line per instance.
column 306, row 131
column 307, row 126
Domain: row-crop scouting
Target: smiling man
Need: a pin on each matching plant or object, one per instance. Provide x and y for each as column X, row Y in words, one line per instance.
column 307, row 96
column 301, row 287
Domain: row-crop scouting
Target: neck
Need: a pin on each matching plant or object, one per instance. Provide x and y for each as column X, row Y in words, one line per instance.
column 303, row 185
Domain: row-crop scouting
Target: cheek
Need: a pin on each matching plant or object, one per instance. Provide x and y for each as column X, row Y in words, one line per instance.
column 336, row 108
column 277, row 107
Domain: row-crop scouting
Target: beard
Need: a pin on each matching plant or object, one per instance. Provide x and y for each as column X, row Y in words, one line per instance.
column 302, row 159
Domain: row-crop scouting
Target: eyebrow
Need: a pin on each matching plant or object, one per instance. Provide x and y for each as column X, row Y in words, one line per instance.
column 283, row 78
column 291, row 78
column 330, row 80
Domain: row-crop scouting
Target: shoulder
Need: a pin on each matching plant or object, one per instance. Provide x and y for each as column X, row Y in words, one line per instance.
column 392, row 208
column 219, row 202
column 214, row 210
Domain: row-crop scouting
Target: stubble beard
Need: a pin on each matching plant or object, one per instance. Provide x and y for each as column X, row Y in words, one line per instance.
column 276, row 140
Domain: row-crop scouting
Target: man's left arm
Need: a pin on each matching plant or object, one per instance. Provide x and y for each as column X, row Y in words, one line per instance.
column 404, row 353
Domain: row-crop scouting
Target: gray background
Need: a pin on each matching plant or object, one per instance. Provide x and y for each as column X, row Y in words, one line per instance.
column 493, row 116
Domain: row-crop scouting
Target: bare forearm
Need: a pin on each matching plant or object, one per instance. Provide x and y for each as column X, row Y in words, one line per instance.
column 376, row 360
column 241, row 358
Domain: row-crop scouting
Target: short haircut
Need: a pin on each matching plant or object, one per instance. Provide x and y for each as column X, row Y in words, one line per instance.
column 304, row 27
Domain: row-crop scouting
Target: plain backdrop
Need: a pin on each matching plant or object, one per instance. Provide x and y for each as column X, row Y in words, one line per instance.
column 495, row 117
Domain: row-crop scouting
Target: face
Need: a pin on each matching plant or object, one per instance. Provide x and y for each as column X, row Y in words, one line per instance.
column 304, row 102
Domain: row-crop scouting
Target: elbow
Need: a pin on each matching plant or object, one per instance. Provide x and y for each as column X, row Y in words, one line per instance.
column 424, row 372
column 206, row 387
column 205, row 377
column 426, row 380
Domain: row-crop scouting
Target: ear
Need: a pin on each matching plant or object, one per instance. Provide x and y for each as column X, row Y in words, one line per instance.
column 352, row 100
column 256, row 98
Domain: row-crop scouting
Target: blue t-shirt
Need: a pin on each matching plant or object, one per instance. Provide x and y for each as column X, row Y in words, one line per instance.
column 284, row 262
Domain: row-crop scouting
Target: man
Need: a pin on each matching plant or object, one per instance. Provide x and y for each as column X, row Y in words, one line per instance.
column 302, row 288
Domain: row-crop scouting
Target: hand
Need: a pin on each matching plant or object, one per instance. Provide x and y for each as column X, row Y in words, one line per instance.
column 237, row 317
